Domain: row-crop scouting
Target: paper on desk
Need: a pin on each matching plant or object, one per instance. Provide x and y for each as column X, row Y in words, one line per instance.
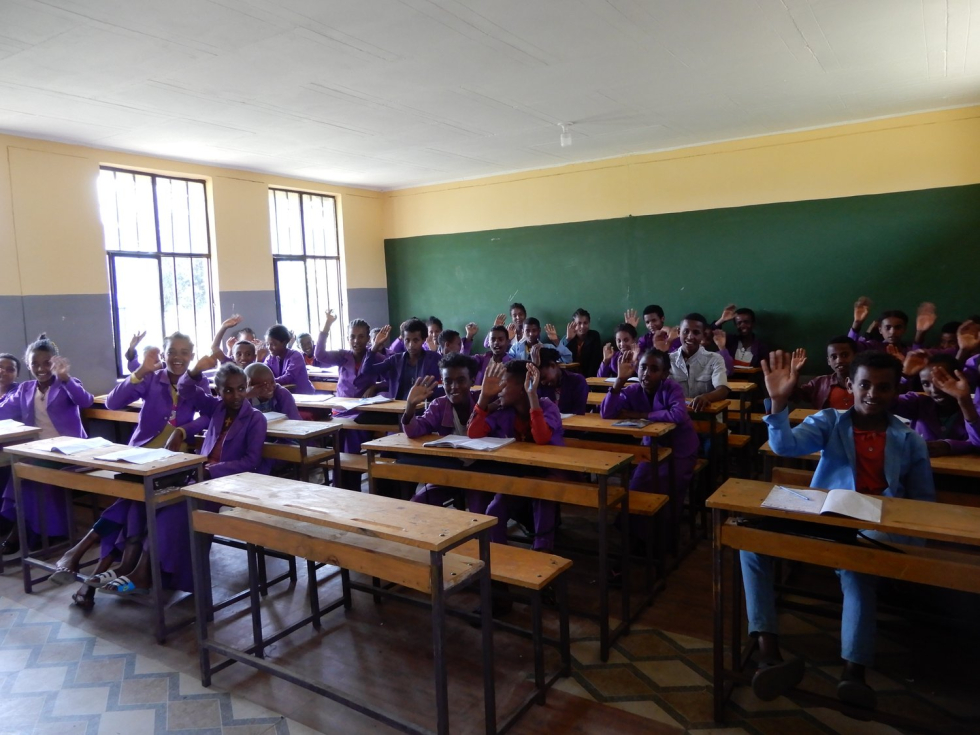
column 81, row 445
column 565, row 416
column 374, row 399
column 8, row 424
column 271, row 416
column 634, row 379
column 136, row 455
column 843, row 502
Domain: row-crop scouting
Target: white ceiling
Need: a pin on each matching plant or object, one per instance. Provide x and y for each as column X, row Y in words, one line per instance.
column 394, row 93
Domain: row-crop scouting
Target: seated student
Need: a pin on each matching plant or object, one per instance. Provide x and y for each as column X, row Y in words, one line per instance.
column 830, row 391
column 515, row 330
column 653, row 320
column 397, row 345
column 935, row 415
column 51, row 402
column 9, row 372
column 401, row 370
column 383, row 350
column 435, row 328
column 892, row 326
column 352, row 362
column 306, row 346
column 499, row 344
column 865, row 449
column 655, row 398
column 521, row 350
column 509, row 407
column 959, row 388
column 232, row 443
column 565, row 389
column 223, row 349
column 583, row 343
column 265, row 395
column 243, row 354
column 701, row 374
column 715, row 340
column 287, row 365
column 744, row 346
column 450, row 342
column 625, row 343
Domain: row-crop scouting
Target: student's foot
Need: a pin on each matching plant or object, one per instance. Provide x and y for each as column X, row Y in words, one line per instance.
column 857, row 693
column 10, row 549
column 774, row 678
column 62, row 575
column 83, row 600
column 101, row 579
column 124, row 587
column 68, row 561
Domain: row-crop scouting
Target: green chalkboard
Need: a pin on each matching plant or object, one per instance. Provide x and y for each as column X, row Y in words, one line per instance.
column 799, row 265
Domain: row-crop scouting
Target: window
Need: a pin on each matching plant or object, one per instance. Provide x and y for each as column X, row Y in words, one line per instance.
column 159, row 251
column 306, row 259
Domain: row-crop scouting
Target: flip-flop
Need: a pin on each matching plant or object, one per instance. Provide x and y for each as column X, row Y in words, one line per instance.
column 123, row 587
column 62, row 575
column 83, row 602
column 101, row 579
column 775, row 679
column 858, row 694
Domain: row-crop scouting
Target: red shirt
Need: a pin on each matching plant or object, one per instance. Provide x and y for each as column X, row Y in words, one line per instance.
column 869, row 453
column 840, row 399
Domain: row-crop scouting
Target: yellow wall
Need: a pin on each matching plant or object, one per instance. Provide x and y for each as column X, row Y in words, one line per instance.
column 906, row 153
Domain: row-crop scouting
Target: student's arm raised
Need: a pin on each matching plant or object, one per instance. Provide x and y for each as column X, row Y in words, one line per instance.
column 216, row 344
column 420, row 392
column 861, row 309
column 925, row 318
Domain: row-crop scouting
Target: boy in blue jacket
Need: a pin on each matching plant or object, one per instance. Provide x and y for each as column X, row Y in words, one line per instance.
column 865, row 449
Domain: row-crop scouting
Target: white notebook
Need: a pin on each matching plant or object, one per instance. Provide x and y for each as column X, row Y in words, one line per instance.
column 457, row 441
column 81, row 445
column 848, row 503
column 10, row 424
column 136, row 455
column 271, row 416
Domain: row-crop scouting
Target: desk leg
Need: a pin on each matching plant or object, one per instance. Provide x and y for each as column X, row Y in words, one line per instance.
column 304, row 470
column 371, row 455
column 767, row 462
column 155, row 573
column 718, row 601
column 254, row 584
column 22, row 530
column 336, row 458
column 604, row 569
column 624, row 507
column 439, row 642
column 200, row 562
column 486, row 620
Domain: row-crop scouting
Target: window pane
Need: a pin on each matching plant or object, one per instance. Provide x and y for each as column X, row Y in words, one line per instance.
column 313, row 224
column 184, row 280
column 331, row 246
column 137, row 283
column 171, row 321
column 136, row 231
column 107, row 209
column 287, row 224
column 204, row 325
column 198, row 218
column 175, row 212
column 291, row 287
column 164, row 212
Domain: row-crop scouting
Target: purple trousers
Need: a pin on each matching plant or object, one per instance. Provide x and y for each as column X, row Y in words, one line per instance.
column 53, row 499
column 642, row 480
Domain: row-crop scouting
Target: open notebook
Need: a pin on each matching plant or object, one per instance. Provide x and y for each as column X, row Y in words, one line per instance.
column 848, row 503
column 456, row 441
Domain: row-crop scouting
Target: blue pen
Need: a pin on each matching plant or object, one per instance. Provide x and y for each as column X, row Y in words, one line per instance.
column 799, row 495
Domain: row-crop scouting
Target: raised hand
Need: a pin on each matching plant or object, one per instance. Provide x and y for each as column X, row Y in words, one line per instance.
column 207, row 362
column 471, row 330
column 151, row 362
column 432, row 342
column 61, row 367
column 861, row 309
column 720, row 338
column 958, row 387
column 532, row 380
column 500, row 320
column 551, row 333
column 422, row 390
column 328, row 320
column 627, row 367
column 968, row 336
column 231, row 342
column 381, row 338
column 798, row 359
column 673, row 334
column 925, row 317
column 136, row 339
column 534, row 354
column 781, row 378
column 570, row 331
column 491, row 380
column 512, row 331
column 661, row 340
column 607, row 352
column 915, row 360
column 233, row 321
column 630, row 317
column 727, row 314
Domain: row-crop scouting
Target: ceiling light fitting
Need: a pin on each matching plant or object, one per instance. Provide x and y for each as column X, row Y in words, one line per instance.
column 566, row 134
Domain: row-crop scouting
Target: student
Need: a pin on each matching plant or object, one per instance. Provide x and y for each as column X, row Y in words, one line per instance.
column 499, row 344
column 449, row 342
column 306, row 347
column 532, row 336
column 830, row 391
column 968, row 349
column 892, row 326
column 653, row 320
column 935, row 416
column 404, row 368
column 233, row 444
column 265, row 395
column 565, row 389
column 701, row 374
column 865, row 449
column 655, row 398
column 716, row 340
column 584, row 343
column 744, row 346
column 625, row 343
column 383, row 349
column 51, row 402
column 287, row 365
column 509, row 407
column 959, row 388
column 243, row 354
column 9, row 372
column 448, row 414
column 352, row 382
column 515, row 330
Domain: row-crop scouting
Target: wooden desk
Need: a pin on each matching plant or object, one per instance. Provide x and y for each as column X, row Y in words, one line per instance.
column 797, row 415
column 304, row 432
column 743, row 389
column 101, row 477
column 600, row 496
column 14, row 435
column 930, row 521
column 396, row 540
column 324, row 386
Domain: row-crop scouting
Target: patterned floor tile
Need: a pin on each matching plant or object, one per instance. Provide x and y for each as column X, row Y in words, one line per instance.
column 87, row 701
column 648, row 709
column 671, row 673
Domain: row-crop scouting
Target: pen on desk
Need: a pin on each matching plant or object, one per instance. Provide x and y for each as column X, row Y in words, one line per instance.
column 799, row 495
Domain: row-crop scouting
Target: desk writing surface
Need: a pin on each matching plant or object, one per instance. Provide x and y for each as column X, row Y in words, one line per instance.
column 938, row 521
column 289, row 429
column 522, row 453
column 797, row 415
column 594, row 422
column 741, row 386
column 388, row 407
column 747, row 370
column 18, row 433
column 965, row 465
column 41, row 449
column 100, row 401
column 766, row 449
column 423, row 526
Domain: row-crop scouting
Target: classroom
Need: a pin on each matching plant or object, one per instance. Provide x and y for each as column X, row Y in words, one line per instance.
column 661, row 275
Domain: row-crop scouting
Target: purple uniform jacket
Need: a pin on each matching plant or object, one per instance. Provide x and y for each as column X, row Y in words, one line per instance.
column 352, row 381
column 437, row 419
column 501, row 422
column 816, row 392
column 10, row 392
column 971, row 369
column 64, row 401
column 759, row 350
column 134, row 364
column 154, row 390
column 646, row 343
column 399, row 346
column 571, row 395
column 242, row 448
column 392, row 368
column 973, row 433
column 666, row 404
column 291, row 370
column 866, row 343
column 921, row 411
column 283, row 402
column 610, row 369
column 484, row 361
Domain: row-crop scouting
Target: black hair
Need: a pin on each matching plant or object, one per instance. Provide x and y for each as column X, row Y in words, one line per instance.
column 843, row 340
column 894, row 314
column 654, row 309
column 659, row 354
column 949, row 363
column 532, row 321
column 243, row 342
column 628, row 328
column 225, row 372
column 413, row 326
column 43, row 344
column 518, row 305
column 433, row 321
column 371, row 332
column 8, row 356
column 745, row 311
column 548, row 356
column 175, row 336
column 279, row 332
column 950, row 327
column 459, row 360
column 696, row 317
column 303, row 334
column 517, row 367
column 447, row 335
column 500, row 328
column 244, row 330
column 582, row 312
column 257, row 367
column 876, row 361
column 357, row 324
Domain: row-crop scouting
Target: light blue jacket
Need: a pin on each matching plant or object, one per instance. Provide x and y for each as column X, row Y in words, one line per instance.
column 520, row 351
column 907, row 468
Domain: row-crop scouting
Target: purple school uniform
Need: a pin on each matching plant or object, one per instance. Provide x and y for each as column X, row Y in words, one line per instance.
column 503, row 507
column 484, row 361
column 8, row 394
column 867, row 343
column 396, row 347
column 438, row 419
column 464, row 350
column 63, row 401
column 351, row 382
column 759, row 350
column 610, row 369
column 922, row 412
column 666, row 404
column 158, row 406
column 393, row 368
column 571, row 395
column 133, row 364
column 283, row 402
column 291, row 370
column 816, row 392
column 971, row 369
column 646, row 343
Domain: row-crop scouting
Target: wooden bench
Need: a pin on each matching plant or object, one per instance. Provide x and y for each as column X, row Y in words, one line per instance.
column 640, row 452
column 350, row 462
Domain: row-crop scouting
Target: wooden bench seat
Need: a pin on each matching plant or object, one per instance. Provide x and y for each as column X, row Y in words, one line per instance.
column 350, row 462
column 513, row 565
column 646, row 504
column 640, row 453
column 290, row 453
column 738, row 441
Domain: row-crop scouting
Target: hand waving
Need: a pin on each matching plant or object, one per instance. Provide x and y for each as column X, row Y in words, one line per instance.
column 781, row 378
column 471, row 330
column 61, row 368
column 607, row 352
column 861, row 309
column 136, row 339
column 533, row 380
column 925, row 317
column 381, row 337
column 422, row 390
column 551, row 333
column 630, row 317
column 727, row 314
column 491, row 379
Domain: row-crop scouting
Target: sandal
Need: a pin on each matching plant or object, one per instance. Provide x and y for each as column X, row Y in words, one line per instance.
column 772, row 680
column 82, row 601
column 123, row 587
column 101, row 579
column 857, row 694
